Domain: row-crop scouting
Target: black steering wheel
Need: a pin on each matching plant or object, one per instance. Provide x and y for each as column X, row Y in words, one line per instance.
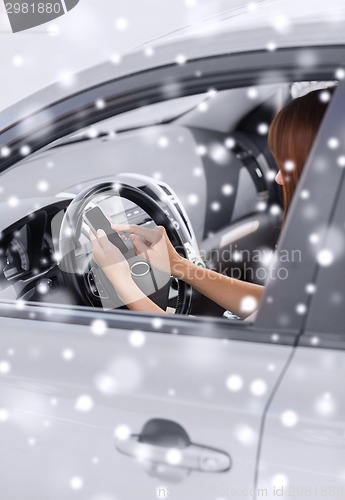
column 83, row 278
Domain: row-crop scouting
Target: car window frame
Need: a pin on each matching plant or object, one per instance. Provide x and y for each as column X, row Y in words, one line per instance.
column 277, row 299
column 231, row 70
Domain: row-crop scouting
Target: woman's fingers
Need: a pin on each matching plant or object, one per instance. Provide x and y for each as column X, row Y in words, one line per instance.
column 145, row 232
column 139, row 244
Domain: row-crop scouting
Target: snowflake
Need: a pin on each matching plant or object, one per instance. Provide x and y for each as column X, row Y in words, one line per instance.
column 122, row 432
column 54, row 30
column 245, row 435
column 181, row 59
column 5, row 151
column 137, row 338
column 201, row 150
column 43, row 186
column 333, row 143
column 215, row 206
column 301, row 309
column 173, row 456
column 305, row 194
column 202, row 106
column 4, row 415
column 68, row 354
column 289, row 418
column 252, row 7
column 227, row 189
column 310, row 288
column 198, row 171
column 100, row 104
column 191, row 3
column 252, row 93
column 324, row 96
column 163, row 142
column 121, row 24
column 149, row 51
column 219, row 154
column 325, row 406
column 258, row 387
column 18, row 61
column 67, row 79
column 325, row 257
column 76, row 483
column 84, row 403
column 193, row 199
column 157, row 323
column 341, row 161
column 289, row 166
column 281, row 23
column 106, row 384
column 230, row 142
column 314, row 238
column 99, row 327
column 275, row 210
column 280, row 481
column 92, row 133
column 234, row 383
column 5, row 367
column 340, row 74
column 262, row 128
column 31, row 441
column 25, row 150
column 271, row 46
column 115, row 58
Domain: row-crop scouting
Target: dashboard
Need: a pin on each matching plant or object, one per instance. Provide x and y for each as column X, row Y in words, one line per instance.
column 31, row 267
column 28, row 253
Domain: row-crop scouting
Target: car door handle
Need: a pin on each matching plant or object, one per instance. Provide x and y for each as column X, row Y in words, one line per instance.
column 165, row 445
column 193, row 457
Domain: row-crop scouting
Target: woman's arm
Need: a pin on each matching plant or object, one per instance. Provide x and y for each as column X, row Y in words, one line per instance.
column 133, row 297
column 225, row 291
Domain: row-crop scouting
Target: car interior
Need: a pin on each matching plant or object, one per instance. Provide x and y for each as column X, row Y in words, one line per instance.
column 199, row 165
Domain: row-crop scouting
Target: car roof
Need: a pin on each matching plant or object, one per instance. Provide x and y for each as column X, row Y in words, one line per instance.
column 192, row 45
column 261, row 15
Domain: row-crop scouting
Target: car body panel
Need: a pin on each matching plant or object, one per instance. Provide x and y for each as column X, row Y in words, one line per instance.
column 52, row 433
column 302, row 452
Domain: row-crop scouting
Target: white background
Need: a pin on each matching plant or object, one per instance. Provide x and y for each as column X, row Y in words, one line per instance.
column 87, row 35
column 96, row 30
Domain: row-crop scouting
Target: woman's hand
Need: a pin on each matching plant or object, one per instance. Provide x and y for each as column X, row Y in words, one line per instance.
column 109, row 258
column 153, row 245
column 115, row 266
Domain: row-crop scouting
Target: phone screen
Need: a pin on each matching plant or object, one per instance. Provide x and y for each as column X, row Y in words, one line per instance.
column 96, row 219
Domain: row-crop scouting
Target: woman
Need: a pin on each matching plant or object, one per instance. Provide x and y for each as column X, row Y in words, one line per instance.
column 290, row 139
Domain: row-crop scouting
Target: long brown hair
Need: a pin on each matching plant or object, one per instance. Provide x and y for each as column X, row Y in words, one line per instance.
column 291, row 136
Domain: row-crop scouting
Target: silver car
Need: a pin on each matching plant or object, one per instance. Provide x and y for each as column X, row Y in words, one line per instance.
column 101, row 403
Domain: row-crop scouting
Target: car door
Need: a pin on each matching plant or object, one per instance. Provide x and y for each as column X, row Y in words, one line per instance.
column 119, row 406
column 303, row 447
column 153, row 408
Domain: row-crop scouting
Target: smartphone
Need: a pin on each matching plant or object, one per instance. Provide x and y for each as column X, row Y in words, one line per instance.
column 95, row 219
